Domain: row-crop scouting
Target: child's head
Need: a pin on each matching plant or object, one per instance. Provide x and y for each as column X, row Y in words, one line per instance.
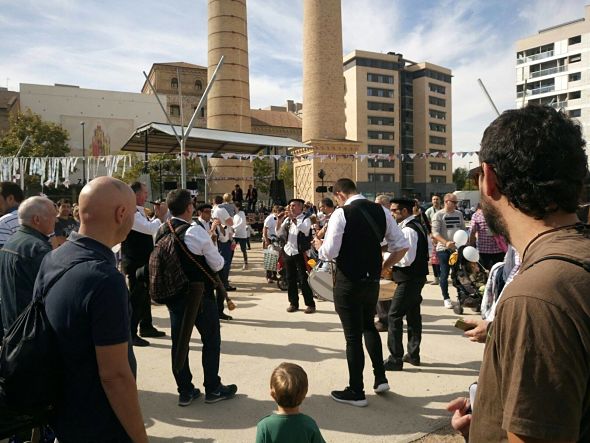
column 288, row 385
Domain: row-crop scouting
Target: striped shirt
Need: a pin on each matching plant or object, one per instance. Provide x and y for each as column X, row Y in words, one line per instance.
column 446, row 224
column 8, row 226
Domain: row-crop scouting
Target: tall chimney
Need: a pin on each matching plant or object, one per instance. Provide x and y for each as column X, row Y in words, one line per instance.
column 228, row 103
column 323, row 79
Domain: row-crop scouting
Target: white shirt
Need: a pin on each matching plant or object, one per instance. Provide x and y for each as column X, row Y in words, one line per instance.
column 297, row 226
column 144, row 225
column 412, row 238
column 240, row 227
column 270, row 223
column 207, row 224
column 197, row 241
column 333, row 239
column 221, row 214
column 8, row 226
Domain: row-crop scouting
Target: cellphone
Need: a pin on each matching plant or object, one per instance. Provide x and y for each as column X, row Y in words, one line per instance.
column 461, row 324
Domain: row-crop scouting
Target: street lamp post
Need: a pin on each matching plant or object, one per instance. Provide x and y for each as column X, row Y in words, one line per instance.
column 83, row 155
column 321, row 175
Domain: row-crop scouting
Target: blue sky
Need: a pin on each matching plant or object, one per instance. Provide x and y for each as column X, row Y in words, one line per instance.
column 107, row 44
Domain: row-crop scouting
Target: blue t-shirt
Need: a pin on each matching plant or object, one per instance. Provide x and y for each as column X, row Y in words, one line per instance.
column 88, row 306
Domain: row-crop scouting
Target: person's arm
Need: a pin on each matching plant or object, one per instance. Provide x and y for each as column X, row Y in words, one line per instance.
column 199, row 243
column 409, row 257
column 329, row 248
column 238, row 221
column 478, row 334
column 120, row 388
column 396, row 242
column 461, row 420
column 144, row 226
column 437, row 227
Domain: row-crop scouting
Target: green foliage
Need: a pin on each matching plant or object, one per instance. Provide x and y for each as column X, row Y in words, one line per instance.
column 462, row 180
column 262, row 169
column 286, row 174
column 45, row 139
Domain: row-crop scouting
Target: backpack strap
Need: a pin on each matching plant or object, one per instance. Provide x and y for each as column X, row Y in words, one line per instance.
column 573, row 261
column 187, row 252
column 371, row 223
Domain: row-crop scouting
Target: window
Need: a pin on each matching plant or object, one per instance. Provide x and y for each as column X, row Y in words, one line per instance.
column 440, row 115
column 384, row 121
column 378, row 92
column 174, row 83
column 575, row 58
column 437, row 127
column 575, row 112
column 433, row 74
column 575, row 77
column 380, row 149
column 575, row 40
column 175, row 110
column 383, row 178
column 376, row 106
column 381, row 135
column 379, row 78
column 438, row 140
column 574, row 95
column 436, row 88
column 199, row 85
column 439, row 179
column 435, row 166
column 437, row 101
column 381, row 163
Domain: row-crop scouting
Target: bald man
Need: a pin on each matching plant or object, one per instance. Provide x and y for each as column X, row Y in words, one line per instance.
column 87, row 305
column 21, row 256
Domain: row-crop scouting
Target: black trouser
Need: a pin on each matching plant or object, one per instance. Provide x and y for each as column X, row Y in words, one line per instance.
column 436, row 271
column 383, row 311
column 296, row 273
column 405, row 303
column 207, row 324
column 355, row 304
column 141, row 310
column 489, row 260
column 243, row 246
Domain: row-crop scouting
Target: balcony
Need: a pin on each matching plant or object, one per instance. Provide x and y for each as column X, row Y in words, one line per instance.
column 558, row 105
column 548, row 71
column 532, row 58
column 543, row 90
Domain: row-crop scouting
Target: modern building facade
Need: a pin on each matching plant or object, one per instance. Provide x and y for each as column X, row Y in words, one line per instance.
column 553, row 68
column 400, row 108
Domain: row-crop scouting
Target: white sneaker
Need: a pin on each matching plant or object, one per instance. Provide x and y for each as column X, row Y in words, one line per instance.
column 381, row 388
column 244, row 267
column 448, row 303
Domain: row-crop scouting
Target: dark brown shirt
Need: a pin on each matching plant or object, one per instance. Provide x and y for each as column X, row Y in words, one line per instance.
column 535, row 374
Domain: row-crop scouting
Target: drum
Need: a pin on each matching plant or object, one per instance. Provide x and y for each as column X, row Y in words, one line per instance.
column 321, row 282
column 386, row 289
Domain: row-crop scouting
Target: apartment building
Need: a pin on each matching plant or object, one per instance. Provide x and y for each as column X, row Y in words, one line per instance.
column 552, row 68
column 401, row 108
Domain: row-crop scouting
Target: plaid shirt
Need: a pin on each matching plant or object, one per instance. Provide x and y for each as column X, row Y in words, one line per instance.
column 486, row 243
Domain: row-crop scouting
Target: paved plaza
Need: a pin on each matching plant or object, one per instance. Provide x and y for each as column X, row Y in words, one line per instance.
column 263, row 334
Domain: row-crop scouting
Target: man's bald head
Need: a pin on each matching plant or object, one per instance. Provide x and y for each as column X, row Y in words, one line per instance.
column 107, row 209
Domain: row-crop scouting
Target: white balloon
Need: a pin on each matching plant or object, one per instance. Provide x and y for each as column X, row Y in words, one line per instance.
column 471, row 254
column 460, row 238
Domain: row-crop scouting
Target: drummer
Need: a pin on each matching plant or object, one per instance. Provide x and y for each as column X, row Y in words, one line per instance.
column 410, row 275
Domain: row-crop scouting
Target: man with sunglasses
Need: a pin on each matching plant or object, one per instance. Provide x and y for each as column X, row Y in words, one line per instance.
column 445, row 223
column 534, row 382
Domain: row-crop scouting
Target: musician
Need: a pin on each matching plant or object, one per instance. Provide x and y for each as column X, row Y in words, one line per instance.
column 353, row 240
column 410, row 275
column 327, row 209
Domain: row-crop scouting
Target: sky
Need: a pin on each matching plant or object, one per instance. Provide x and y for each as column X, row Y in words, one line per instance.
column 107, row 44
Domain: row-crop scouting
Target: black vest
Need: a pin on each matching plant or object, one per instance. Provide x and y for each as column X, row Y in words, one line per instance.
column 419, row 267
column 191, row 270
column 360, row 254
column 136, row 249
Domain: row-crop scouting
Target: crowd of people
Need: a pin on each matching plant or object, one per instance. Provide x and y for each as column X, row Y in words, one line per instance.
column 535, row 309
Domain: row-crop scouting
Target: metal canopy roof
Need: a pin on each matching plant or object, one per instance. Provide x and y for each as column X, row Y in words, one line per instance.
column 161, row 139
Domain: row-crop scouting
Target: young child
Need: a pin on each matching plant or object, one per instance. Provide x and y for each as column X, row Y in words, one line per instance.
column 288, row 387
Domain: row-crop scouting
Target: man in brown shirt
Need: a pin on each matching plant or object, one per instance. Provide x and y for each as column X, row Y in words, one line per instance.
column 534, row 384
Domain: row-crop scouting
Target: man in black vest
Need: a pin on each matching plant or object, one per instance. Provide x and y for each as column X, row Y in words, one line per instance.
column 135, row 254
column 353, row 239
column 410, row 275
column 199, row 245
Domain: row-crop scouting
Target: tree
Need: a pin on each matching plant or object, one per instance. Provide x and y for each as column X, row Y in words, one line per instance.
column 286, row 174
column 262, row 169
column 460, row 177
column 46, row 139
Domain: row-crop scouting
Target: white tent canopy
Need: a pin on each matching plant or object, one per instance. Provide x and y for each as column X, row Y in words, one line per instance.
column 160, row 138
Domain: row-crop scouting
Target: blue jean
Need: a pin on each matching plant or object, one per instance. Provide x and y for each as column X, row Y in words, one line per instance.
column 445, row 269
column 207, row 324
column 226, row 253
column 355, row 303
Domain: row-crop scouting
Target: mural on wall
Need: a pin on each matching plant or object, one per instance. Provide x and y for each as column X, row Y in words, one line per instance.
column 102, row 136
